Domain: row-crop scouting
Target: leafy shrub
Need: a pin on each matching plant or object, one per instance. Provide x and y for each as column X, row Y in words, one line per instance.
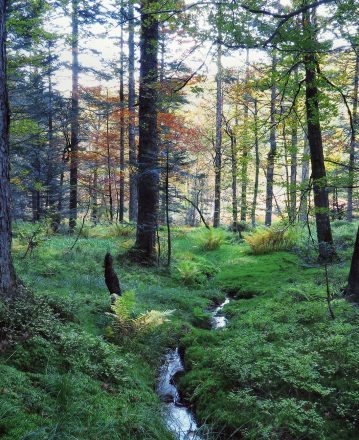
column 273, row 239
column 25, row 317
column 194, row 270
column 130, row 323
column 211, row 240
column 121, row 230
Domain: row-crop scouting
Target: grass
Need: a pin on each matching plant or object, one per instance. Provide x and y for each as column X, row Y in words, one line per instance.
column 282, row 369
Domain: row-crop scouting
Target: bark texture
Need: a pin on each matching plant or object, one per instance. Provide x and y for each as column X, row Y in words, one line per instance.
column 132, row 208
column 321, row 201
column 353, row 280
column 7, row 274
column 218, row 142
column 272, row 147
column 148, row 178
column 74, row 116
column 354, row 141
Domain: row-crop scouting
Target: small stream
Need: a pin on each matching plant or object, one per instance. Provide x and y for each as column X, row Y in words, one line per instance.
column 179, row 418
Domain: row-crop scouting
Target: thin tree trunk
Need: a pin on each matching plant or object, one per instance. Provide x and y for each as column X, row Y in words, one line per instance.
column 273, row 146
column 94, row 214
column 145, row 247
column 7, row 273
column 122, row 129
column 109, row 174
column 257, row 164
column 245, row 151
column 353, row 280
column 218, row 142
column 321, row 202
column 353, row 142
column 168, row 223
column 305, row 181
column 132, row 209
column 293, row 163
column 234, row 164
column 74, row 117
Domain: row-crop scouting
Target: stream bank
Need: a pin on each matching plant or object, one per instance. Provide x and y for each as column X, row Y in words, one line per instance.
column 178, row 417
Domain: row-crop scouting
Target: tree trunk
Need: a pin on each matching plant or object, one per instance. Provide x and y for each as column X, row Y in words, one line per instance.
column 304, row 181
column 148, row 179
column 7, row 273
column 74, row 117
column 353, row 142
column 273, row 146
column 245, row 151
column 132, row 208
column 353, row 280
column 257, row 164
column 218, row 142
column 234, row 164
column 293, row 161
column 109, row 173
column 321, row 202
column 121, row 201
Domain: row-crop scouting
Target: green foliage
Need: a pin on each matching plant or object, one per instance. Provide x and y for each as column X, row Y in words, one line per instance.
column 274, row 239
column 194, row 270
column 121, row 230
column 211, row 240
column 130, row 324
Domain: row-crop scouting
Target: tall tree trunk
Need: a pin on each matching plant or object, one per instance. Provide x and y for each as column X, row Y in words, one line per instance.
column 353, row 142
column 74, row 116
column 257, row 164
column 321, row 202
column 273, row 146
column 234, row 165
column 109, row 173
column 353, row 280
column 122, row 128
column 218, row 142
column 7, row 273
column 293, row 159
column 132, row 208
column 148, row 179
column 245, row 151
column 304, row 181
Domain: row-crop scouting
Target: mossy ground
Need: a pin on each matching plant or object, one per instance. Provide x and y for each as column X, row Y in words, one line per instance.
column 282, row 369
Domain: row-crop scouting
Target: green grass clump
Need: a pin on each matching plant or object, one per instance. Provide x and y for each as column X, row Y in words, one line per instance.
column 274, row 239
column 121, row 230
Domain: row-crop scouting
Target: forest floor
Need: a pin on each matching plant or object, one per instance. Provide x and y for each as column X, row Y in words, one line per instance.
column 281, row 369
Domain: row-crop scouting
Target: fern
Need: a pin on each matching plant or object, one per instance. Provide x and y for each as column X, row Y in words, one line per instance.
column 129, row 323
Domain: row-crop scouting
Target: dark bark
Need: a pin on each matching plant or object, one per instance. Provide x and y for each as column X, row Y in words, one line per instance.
column 111, row 279
column 273, row 147
column 354, row 141
column 353, row 280
column 7, row 273
column 121, row 201
column 132, row 208
column 218, row 142
column 74, row 116
column 144, row 251
column 321, row 201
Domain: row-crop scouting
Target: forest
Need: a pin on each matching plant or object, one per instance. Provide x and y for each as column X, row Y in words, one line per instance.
column 179, row 219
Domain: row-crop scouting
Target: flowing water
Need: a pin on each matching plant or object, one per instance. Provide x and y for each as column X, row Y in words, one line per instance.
column 179, row 418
